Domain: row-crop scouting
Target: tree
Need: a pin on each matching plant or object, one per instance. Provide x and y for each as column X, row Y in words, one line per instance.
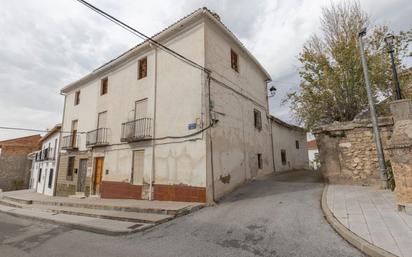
column 332, row 86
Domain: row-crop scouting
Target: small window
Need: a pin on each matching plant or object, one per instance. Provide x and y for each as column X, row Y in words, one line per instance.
column 70, row 168
column 104, row 86
column 283, row 156
column 39, row 178
column 234, row 60
column 257, row 119
column 297, row 144
column 142, row 68
column 77, row 98
column 260, row 163
column 50, row 178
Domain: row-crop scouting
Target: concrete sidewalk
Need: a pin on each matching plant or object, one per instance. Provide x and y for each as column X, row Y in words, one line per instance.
column 105, row 216
column 372, row 215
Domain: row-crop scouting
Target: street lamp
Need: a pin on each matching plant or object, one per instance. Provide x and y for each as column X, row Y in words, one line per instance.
column 272, row 91
column 389, row 38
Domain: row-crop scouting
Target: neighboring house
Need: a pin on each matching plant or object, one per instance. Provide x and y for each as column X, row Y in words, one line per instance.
column 14, row 165
column 313, row 153
column 290, row 151
column 142, row 123
column 44, row 165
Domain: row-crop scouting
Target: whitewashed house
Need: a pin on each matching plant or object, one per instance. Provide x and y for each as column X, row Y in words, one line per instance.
column 149, row 125
column 44, row 163
column 313, row 153
column 290, row 150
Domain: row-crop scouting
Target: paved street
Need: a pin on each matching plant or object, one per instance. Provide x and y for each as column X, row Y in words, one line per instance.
column 275, row 216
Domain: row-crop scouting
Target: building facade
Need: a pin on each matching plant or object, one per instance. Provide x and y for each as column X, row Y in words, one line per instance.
column 152, row 125
column 313, row 154
column 290, row 150
column 14, row 164
column 44, row 163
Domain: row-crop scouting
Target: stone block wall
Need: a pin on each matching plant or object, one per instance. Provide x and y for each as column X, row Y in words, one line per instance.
column 66, row 186
column 347, row 151
column 400, row 148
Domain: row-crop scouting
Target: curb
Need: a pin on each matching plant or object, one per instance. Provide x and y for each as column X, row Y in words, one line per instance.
column 358, row 242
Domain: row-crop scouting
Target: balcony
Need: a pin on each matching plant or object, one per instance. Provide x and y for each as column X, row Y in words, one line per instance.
column 45, row 154
column 70, row 142
column 97, row 137
column 137, row 130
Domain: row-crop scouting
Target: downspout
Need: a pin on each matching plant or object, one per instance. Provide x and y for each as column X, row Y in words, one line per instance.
column 151, row 189
column 210, row 139
column 271, row 141
column 58, row 148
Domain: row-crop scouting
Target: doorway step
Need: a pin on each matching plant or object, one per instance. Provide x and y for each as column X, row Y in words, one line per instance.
column 106, row 216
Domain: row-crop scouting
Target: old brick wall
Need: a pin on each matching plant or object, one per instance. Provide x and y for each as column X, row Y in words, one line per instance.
column 347, row 151
column 14, row 164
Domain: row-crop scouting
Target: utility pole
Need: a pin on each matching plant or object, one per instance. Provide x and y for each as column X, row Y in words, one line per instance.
column 377, row 137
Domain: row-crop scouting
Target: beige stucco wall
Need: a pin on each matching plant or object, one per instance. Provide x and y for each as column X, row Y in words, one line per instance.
column 179, row 102
column 284, row 138
column 235, row 140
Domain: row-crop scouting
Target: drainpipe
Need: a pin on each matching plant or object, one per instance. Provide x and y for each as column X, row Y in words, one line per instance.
column 271, row 141
column 151, row 189
column 210, row 139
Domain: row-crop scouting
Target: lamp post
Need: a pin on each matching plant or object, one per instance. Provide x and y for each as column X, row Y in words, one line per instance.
column 389, row 38
column 377, row 137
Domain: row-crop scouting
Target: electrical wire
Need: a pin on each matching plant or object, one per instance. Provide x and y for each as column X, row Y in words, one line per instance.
column 143, row 36
column 37, row 130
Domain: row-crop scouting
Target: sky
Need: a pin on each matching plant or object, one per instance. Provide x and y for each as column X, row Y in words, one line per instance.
column 47, row 44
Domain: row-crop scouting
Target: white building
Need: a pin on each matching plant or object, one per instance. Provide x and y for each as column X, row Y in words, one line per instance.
column 289, row 144
column 313, row 153
column 44, row 170
column 149, row 125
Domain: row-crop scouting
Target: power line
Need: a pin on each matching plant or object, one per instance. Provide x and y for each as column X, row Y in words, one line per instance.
column 143, row 36
column 36, row 130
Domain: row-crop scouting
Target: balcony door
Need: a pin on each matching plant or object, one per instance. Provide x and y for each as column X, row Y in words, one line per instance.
column 74, row 133
column 101, row 124
column 140, row 112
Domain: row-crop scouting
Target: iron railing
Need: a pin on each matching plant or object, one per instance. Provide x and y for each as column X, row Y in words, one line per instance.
column 45, row 154
column 136, row 130
column 98, row 136
column 70, row 142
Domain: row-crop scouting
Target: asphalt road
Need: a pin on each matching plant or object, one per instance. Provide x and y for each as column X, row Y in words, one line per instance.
column 279, row 215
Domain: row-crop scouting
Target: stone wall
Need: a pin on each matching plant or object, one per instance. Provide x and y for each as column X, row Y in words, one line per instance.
column 347, row 151
column 400, row 148
column 66, row 186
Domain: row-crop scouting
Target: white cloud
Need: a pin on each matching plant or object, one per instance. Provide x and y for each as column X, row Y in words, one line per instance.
column 48, row 44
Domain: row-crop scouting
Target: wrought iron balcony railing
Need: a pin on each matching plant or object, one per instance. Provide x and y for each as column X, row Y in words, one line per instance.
column 70, row 142
column 97, row 137
column 45, row 154
column 137, row 130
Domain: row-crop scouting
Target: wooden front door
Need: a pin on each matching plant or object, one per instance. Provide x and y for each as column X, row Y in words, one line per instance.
column 98, row 173
column 138, row 166
column 81, row 180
